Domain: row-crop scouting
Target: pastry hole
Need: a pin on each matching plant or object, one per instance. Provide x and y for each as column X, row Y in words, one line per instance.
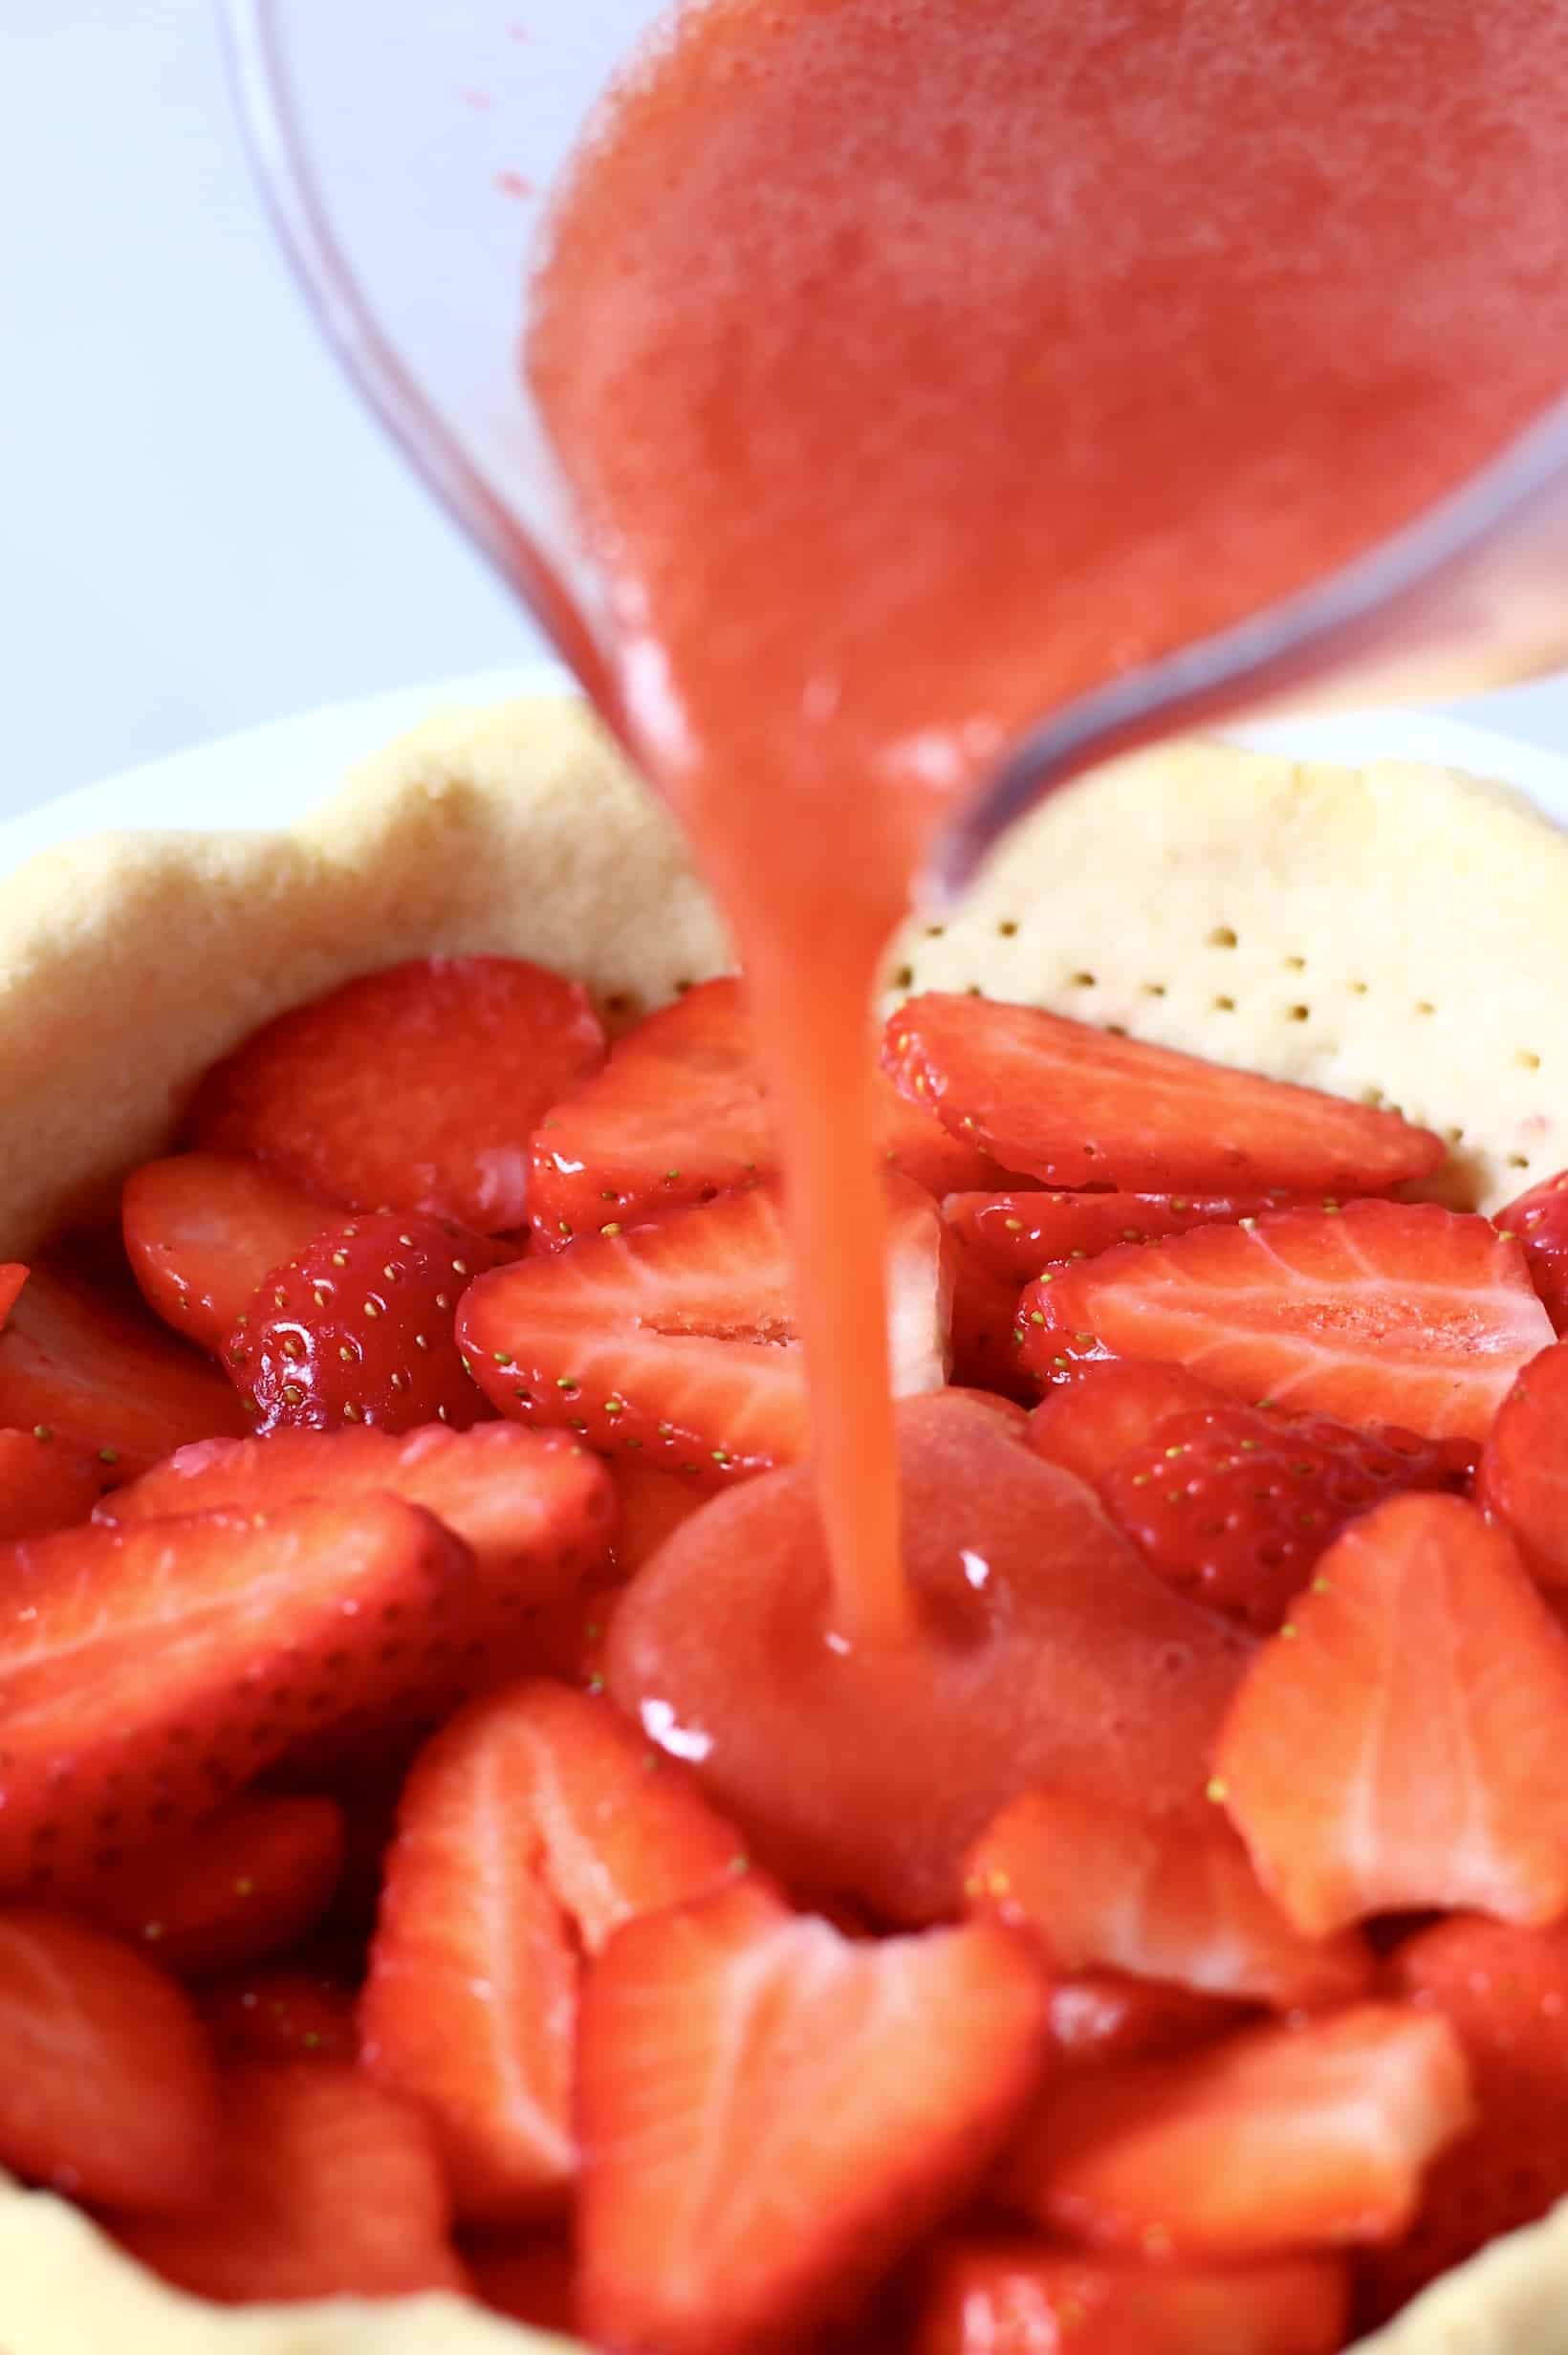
column 1152, row 989
column 1373, row 1096
column 1518, row 1161
column 1527, row 1059
column 1424, row 1006
column 903, row 978
column 1358, row 989
column 1082, row 981
column 1295, row 965
column 1225, row 1005
column 935, row 931
column 1297, row 1013
column 1455, row 1136
column 1222, row 937
column 1007, row 929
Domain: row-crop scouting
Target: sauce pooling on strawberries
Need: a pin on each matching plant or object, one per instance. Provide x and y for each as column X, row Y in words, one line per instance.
column 914, row 364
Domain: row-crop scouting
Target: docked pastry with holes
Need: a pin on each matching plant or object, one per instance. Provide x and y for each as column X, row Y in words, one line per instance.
column 448, row 1900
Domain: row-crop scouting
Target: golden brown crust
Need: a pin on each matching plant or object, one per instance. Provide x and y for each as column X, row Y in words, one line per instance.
column 1390, row 929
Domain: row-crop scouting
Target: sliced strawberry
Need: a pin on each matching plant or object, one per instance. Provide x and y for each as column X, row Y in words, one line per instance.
column 1233, row 1505
column 44, row 1484
column 1523, row 1476
column 203, row 1229
column 107, row 2088
column 1017, row 1235
column 1101, row 1885
column 1400, row 1744
column 998, row 2297
column 416, row 1088
column 529, row 2280
column 1505, row 1994
column 679, row 1114
column 150, row 1670
column 881, row 2079
column 1078, row 1106
column 1103, row 2015
column 1538, row 1220
column 679, row 1340
column 281, row 2015
column 250, row 1881
column 1279, row 2138
column 538, row 1511
column 360, row 1328
column 986, row 1342
column 1384, row 1312
column 327, row 2186
column 13, row 1277
column 897, row 1761
column 112, row 1384
column 1110, row 1407
column 534, row 1824
column 653, row 1506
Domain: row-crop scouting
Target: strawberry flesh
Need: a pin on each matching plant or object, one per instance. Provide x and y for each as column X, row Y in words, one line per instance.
column 882, row 2078
column 44, row 1484
column 253, row 1878
column 1109, row 1406
column 1000, row 2296
column 1523, row 1476
column 1017, row 1235
column 1384, row 1312
column 412, row 1089
column 280, row 2015
column 1538, row 1220
column 897, row 1761
column 1398, row 1745
column 1076, row 1107
column 203, row 1229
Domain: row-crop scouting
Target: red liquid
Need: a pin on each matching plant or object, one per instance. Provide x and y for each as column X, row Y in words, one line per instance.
column 916, row 363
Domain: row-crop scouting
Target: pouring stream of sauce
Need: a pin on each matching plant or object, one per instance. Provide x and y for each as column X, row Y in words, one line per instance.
column 914, row 364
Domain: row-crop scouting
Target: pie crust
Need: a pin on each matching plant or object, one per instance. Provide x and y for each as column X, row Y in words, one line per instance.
column 1393, row 933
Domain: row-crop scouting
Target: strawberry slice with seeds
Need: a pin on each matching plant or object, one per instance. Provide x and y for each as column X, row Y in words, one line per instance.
column 44, row 1484
column 203, row 1229
column 1233, row 1505
column 1110, row 1407
column 538, row 1511
column 1384, row 1312
column 1538, row 1221
column 1017, row 1235
column 252, row 1879
column 1101, row 1885
column 416, row 1088
column 531, row 1827
column 1505, row 1992
column 110, row 1383
column 723, row 1648
column 327, row 2186
column 680, row 1114
column 998, row 2297
column 679, row 1340
column 107, row 2087
column 1399, row 1744
column 1077, row 1106
column 264, row 1632
column 281, row 2015
column 360, row 1328
column 1278, row 2138
column 1523, row 1476
column 881, row 2079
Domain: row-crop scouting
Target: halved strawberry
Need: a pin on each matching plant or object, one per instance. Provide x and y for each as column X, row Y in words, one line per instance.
column 996, row 2297
column 250, row 1881
column 1400, row 1743
column 202, row 1231
column 326, row 2186
column 1539, row 1222
column 44, row 1484
column 1233, row 1505
column 881, row 2079
column 148, row 1671
column 723, row 1648
column 537, row 1509
column 1099, row 2016
column 1523, row 1476
column 680, row 1114
column 360, row 1329
column 1280, row 2138
column 1505, row 1994
column 679, row 1340
column 529, row 1828
column 13, row 1277
column 1101, row 1886
column 1384, row 1312
column 1017, row 1235
column 1110, row 1407
column 115, row 1386
column 531, row 2280
column 986, row 1347
column 416, row 1088
column 653, row 1505
column 1078, row 1106
column 107, row 2087
column 281, row 2015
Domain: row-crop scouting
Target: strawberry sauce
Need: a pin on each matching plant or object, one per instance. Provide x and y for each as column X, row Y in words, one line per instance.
column 914, row 364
